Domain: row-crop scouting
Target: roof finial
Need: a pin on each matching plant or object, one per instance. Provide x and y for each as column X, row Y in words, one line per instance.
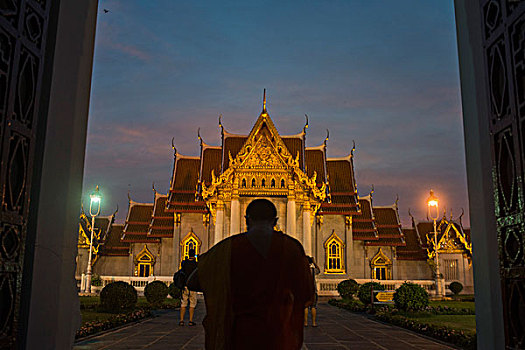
column 397, row 199
column 353, row 148
column 173, row 147
column 153, row 187
column 305, row 125
column 264, row 102
column 327, row 136
column 199, row 135
column 372, row 190
column 461, row 216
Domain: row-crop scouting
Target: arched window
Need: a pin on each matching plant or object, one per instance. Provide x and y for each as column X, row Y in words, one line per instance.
column 253, row 182
column 144, row 262
column 243, row 183
column 272, row 184
column 334, row 255
column 381, row 266
column 282, row 183
column 191, row 241
column 263, row 183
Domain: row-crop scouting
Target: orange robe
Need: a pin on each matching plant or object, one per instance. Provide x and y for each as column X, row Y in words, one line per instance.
column 253, row 302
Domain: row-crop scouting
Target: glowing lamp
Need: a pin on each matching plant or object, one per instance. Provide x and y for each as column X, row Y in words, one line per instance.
column 433, row 204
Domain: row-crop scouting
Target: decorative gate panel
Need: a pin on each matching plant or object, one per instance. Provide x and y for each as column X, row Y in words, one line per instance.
column 23, row 31
column 504, row 45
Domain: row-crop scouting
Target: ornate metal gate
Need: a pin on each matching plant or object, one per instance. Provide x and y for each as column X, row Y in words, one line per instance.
column 504, row 47
column 23, row 32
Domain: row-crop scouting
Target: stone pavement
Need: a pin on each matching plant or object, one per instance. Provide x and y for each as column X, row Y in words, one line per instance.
column 338, row 329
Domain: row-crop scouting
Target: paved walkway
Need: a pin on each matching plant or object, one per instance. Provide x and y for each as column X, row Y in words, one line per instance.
column 338, row 329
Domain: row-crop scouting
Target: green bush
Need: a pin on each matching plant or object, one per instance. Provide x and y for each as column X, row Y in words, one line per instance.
column 347, row 288
column 96, row 281
column 364, row 292
column 174, row 292
column 455, row 287
column 156, row 293
column 118, row 296
column 410, row 296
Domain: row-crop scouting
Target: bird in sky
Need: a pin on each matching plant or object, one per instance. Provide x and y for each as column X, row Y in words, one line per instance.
column 106, row 10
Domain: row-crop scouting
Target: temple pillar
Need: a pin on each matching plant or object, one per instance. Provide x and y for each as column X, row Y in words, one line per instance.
column 307, row 230
column 219, row 222
column 290, row 217
column 235, row 219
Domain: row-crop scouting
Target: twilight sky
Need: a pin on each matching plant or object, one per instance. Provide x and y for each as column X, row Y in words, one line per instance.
column 382, row 73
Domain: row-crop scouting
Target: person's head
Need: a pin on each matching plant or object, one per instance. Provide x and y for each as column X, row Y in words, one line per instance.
column 261, row 213
column 191, row 253
column 310, row 259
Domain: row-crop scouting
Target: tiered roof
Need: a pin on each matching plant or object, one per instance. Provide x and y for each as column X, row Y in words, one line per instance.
column 388, row 227
column 363, row 224
column 112, row 245
column 413, row 250
column 138, row 223
column 161, row 224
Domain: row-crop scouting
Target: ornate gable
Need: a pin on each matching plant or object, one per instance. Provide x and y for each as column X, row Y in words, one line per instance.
column 450, row 240
column 263, row 167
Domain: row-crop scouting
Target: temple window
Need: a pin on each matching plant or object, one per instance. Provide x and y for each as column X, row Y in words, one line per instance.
column 334, row 255
column 273, row 183
column 282, row 183
column 451, row 269
column 253, row 182
column 144, row 262
column 381, row 266
column 263, row 183
column 243, row 183
column 191, row 241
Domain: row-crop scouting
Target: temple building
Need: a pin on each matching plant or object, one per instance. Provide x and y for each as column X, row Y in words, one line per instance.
column 317, row 202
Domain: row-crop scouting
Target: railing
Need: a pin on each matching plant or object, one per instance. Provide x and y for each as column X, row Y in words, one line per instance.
column 328, row 287
column 325, row 287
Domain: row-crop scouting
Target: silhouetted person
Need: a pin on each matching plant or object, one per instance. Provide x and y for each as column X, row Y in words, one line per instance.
column 188, row 266
column 314, row 269
column 256, row 286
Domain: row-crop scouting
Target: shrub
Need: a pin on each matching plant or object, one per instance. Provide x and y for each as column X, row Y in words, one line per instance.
column 174, row 292
column 118, row 296
column 455, row 287
column 364, row 292
column 347, row 288
column 156, row 292
column 96, row 280
column 410, row 296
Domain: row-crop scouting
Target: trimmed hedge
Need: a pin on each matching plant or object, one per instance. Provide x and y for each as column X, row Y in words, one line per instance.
column 156, row 293
column 410, row 296
column 91, row 328
column 174, row 292
column 364, row 292
column 455, row 287
column 347, row 288
column 118, row 296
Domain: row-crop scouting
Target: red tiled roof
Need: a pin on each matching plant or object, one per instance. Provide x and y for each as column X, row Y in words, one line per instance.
column 388, row 227
column 232, row 145
column 137, row 223
column 295, row 146
column 211, row 160
column 363, row 225
column 315, row 162
column 413, row 249
column 184, row 184
column 342, row 188
column 162, row 222
column 113, row 245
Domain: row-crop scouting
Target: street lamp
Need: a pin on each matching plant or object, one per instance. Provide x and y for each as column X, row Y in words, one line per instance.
column 433, row 213
column 94, row 203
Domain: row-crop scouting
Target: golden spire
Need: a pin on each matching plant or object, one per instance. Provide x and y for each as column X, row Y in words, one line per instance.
column 264, row 102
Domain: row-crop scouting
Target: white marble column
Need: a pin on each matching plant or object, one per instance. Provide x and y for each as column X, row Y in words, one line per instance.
column 307, row 231
column 219, row 223
column 290, row 218
column 235, row 219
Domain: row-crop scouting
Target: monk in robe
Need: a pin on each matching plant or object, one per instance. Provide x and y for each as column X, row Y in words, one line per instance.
column 256, row 285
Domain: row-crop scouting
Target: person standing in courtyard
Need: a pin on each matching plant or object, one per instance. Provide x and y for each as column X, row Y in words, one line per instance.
column 188, row 266
column 256, row 285
column 313, row 308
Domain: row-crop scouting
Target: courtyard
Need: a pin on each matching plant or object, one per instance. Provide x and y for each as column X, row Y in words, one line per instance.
column 338, row 329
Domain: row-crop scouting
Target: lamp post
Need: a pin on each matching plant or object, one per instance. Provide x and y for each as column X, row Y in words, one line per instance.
column 433, row 213
column 95, row 202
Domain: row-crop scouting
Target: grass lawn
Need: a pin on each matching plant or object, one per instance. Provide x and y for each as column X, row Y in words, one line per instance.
column 466, row 323
column 455, row 304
